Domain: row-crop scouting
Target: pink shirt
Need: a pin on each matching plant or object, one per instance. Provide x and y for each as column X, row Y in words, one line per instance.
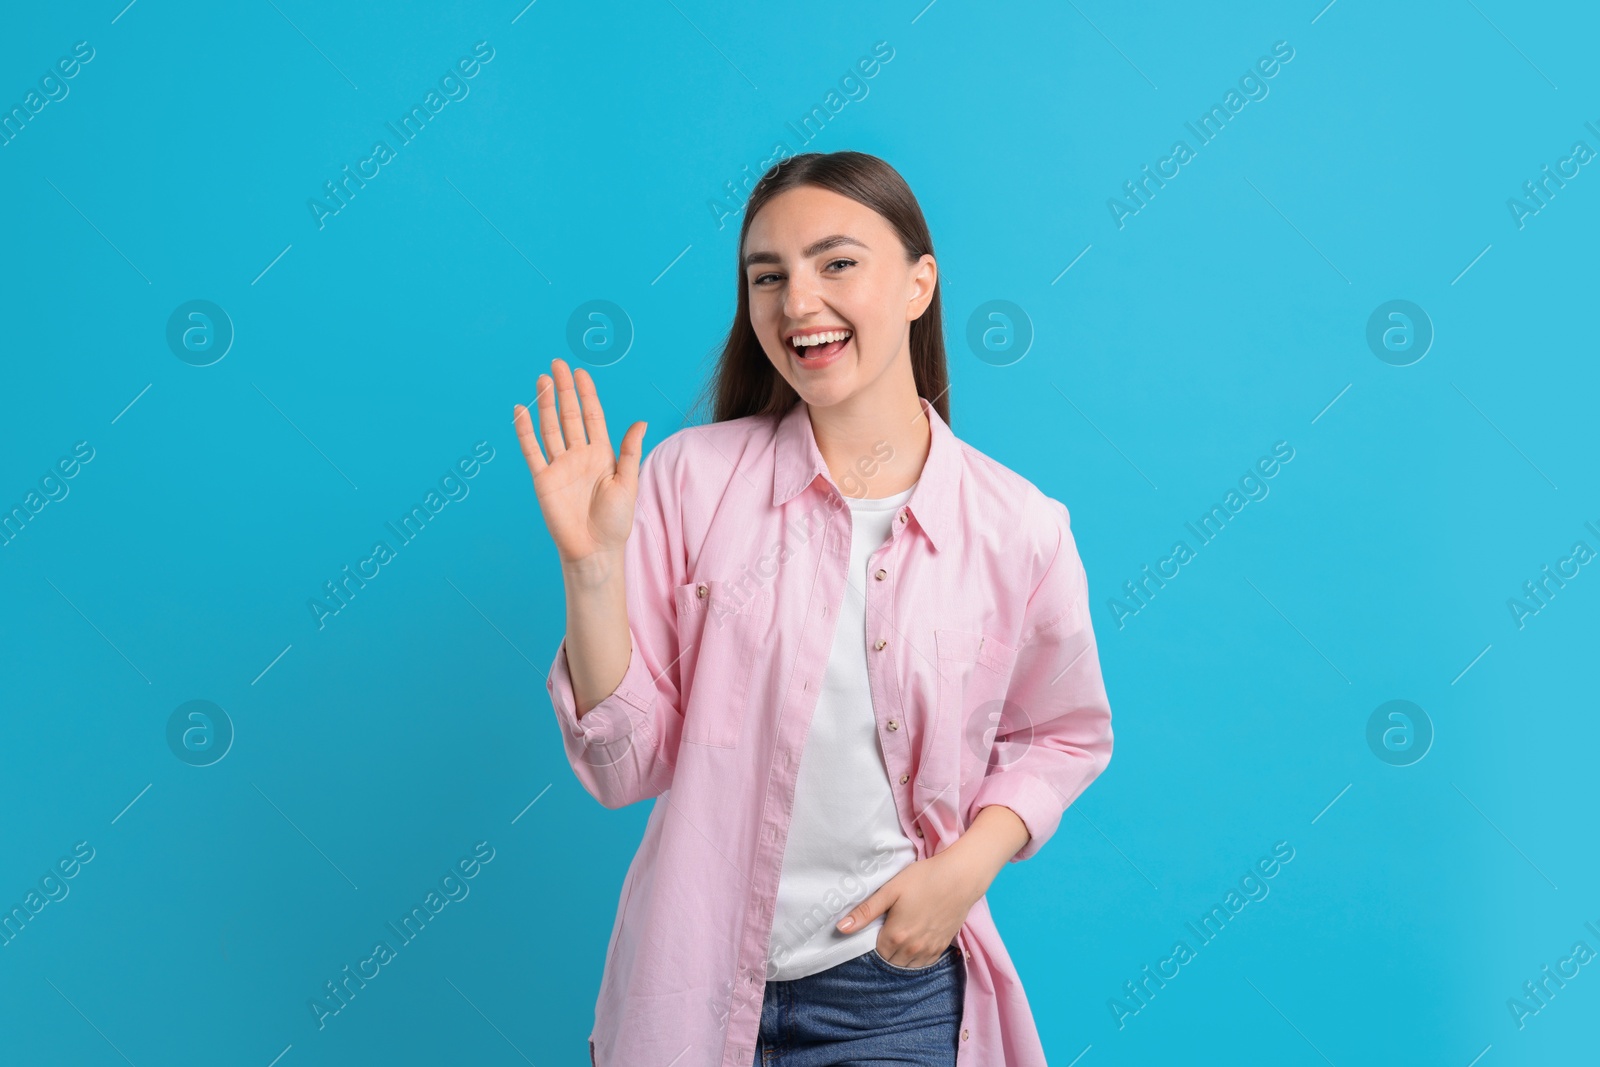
column 985, row 685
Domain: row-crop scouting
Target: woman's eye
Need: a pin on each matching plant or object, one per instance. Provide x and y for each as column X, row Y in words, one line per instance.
column 760, row 279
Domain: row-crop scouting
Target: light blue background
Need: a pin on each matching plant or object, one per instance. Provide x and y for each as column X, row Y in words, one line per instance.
column 1225, row 316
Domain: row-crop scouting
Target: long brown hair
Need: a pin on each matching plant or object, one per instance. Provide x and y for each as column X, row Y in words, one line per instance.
column 744, row 381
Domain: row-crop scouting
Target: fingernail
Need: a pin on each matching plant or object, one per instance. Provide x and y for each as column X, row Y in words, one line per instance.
column 847, row 923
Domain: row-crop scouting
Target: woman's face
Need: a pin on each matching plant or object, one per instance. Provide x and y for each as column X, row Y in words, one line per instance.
column 819, row 263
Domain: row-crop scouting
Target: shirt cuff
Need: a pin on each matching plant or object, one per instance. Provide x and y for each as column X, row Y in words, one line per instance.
column 1037, row 804
column 622, row 714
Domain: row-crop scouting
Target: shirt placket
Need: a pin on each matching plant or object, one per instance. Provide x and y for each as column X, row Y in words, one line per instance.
column 896, row 743
column 778, row 804
column 883, row 646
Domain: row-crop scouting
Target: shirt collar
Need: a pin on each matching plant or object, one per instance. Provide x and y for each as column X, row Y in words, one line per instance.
column 933, row 501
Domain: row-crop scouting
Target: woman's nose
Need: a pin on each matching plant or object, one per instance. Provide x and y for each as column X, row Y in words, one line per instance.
column 800, row 295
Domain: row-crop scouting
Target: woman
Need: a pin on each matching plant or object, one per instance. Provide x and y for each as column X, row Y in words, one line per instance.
column 822, row 571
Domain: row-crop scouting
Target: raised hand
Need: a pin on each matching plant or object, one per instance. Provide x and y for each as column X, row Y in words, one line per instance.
column 585, row 493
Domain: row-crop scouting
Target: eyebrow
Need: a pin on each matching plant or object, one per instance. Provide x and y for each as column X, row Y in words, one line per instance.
column 833, row 240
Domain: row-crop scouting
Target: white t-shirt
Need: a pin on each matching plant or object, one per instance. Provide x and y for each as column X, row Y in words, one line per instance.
column 844, row 839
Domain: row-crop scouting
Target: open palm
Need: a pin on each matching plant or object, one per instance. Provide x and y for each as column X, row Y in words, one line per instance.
column 585, row 493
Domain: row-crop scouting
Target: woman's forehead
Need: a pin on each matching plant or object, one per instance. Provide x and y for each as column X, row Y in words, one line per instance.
column 793, row 221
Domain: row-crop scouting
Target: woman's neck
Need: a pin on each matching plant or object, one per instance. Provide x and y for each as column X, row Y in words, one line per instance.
column 873, row 450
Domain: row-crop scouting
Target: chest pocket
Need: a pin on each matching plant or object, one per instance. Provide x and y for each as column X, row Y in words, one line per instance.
column 722, row 632
column 974, row 672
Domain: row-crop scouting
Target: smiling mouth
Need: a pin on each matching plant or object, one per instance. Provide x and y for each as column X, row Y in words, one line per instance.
column 819, row 345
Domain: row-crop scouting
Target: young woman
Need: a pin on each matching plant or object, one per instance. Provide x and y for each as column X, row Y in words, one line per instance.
column 848, row 653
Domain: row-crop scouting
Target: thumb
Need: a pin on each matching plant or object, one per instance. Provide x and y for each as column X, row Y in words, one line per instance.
column 631, row 449
column 869, row 909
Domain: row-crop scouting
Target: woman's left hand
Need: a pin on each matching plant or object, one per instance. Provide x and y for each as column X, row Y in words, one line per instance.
column 928, row 901
column 926, row 904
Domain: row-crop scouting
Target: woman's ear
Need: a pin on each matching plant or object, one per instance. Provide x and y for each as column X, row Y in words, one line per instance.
column 924, row 277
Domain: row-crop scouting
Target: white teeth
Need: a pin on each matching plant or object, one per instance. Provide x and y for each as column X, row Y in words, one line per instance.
column 820, row 338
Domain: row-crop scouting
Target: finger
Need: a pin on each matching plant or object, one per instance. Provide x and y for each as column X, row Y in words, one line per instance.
column 628, row 462
column 549, row 429
column 594, row 416
column 869, row 909
column 571, row 413
column 528, row 439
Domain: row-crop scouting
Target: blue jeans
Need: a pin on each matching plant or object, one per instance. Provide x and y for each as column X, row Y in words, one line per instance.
column 865, row 1012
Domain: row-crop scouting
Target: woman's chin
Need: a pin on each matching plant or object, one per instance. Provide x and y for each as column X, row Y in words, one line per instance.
column 824, row 394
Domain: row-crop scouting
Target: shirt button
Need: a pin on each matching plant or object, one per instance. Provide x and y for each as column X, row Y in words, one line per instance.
column 904, row 778
column 902, row 516
column 965, row 1034
column 919, row 831
column 893, row 725
column 881, row 643
column 881, row 575
column 700, row 591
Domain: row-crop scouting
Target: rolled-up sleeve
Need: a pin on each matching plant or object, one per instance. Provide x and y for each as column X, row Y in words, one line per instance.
column 1054, row 733
column 624, row 748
